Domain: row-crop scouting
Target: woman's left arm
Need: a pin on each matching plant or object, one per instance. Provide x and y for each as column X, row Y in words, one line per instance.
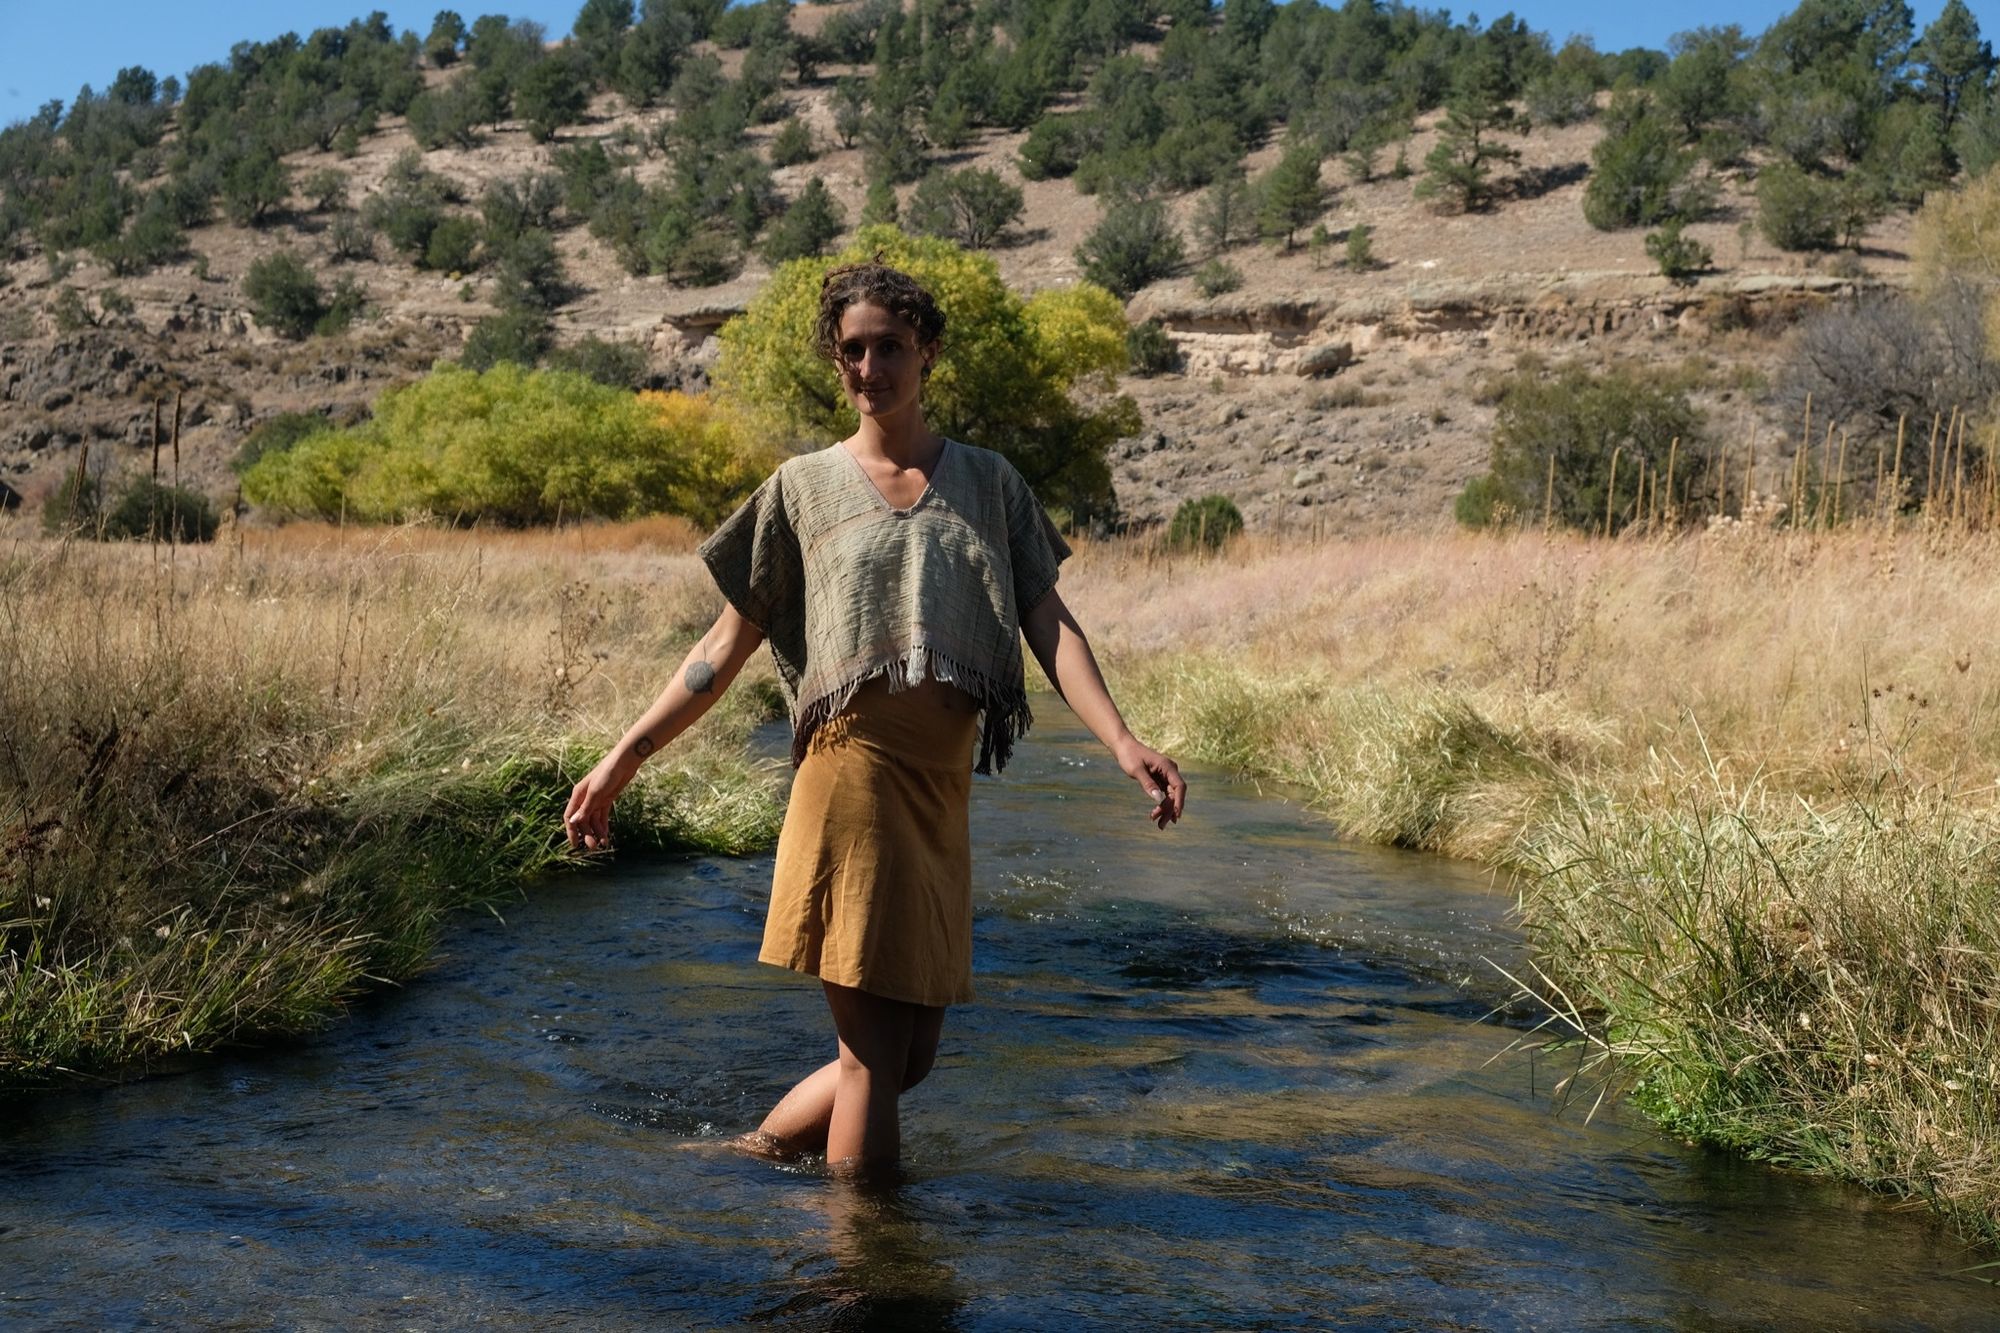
column 1059, row 645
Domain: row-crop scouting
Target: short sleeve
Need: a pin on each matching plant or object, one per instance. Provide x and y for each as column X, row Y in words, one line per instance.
column 1034, row 548
column 754, row 559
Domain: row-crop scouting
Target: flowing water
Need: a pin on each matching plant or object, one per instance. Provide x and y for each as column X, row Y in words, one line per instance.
column 1233, row 1075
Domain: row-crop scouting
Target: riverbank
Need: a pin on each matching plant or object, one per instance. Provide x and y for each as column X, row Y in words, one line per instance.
column 244, row 783
column 1745, row 782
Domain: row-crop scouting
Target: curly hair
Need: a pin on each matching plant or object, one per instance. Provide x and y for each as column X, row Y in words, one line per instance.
column 874, row 283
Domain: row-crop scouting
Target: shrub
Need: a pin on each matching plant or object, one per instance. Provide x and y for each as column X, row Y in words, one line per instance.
column 1055, row 147
column 530, row 275
column 283, row 294
column 971, row 207
column 617, row 364
column 327, row 189
column 349, row 238
column 1480, row 504
column 1226, row 215
column 552, row 93
column 1584, row 421
column 274, row 435
column 1796, row 210
column 449, row 115
column 1134, row 244
column 1006, row 378
column 453, row 246
column 1151, row 351
column 1680, row 257
column 512, row 445
column 510, row 208
column 518, row 336
column 76, row 505
column 1216, row 277
column 254, row 186
column 1207, row 523
column 792, row 144
column 1361, row 247
column 148, row 511
column 807, row 227
column 1640, row 174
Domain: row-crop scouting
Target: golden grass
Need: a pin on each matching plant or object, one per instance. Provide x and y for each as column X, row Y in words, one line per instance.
column 241, row 781
column 1747, row 782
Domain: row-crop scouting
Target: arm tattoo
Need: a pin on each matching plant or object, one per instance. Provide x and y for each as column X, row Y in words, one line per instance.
column 643, row 746
column 699, row 678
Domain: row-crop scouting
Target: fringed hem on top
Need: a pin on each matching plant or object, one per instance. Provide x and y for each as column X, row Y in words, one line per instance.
column 1005, row 716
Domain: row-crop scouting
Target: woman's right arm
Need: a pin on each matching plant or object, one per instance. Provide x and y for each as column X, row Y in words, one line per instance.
column 709, row 668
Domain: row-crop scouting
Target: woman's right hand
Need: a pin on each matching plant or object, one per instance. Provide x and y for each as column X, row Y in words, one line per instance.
column 587, row 817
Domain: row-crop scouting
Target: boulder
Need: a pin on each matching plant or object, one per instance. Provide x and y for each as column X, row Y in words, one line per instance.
column 1326, row 359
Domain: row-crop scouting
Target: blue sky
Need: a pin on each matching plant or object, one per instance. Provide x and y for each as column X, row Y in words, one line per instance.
column 49, row 50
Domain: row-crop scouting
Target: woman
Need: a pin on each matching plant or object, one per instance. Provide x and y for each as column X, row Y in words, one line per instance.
column 894, row 575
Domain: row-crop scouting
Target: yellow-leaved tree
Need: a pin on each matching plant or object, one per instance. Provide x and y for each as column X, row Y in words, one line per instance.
column 517, row 446
column 1034, row 379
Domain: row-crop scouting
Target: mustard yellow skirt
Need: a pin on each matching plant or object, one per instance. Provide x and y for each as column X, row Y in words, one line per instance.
column 873, row 885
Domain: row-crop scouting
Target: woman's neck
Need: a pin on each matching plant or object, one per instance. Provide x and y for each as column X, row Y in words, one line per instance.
column 903, row 439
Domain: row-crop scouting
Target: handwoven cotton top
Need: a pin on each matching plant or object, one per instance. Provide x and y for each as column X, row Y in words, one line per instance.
column 846, row 587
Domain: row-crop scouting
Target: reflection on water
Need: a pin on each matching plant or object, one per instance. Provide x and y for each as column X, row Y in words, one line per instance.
column 1235, row 1075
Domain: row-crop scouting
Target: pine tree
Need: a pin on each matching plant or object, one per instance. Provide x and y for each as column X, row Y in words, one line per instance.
column 1290, row 194
column 971, row 207
column 1224, row 215
column 1953, row 59
column 1456, row 169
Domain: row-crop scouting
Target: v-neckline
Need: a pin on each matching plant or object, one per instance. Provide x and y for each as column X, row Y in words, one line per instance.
column 944, row 452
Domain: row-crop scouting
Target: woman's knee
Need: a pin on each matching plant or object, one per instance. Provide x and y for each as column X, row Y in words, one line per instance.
column 918, row 1066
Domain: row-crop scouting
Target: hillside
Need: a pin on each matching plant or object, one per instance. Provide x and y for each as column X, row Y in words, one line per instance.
column 1384, row 441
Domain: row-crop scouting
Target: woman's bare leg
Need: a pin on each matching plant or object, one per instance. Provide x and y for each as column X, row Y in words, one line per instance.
column 799, row 1122
column 883, row 1043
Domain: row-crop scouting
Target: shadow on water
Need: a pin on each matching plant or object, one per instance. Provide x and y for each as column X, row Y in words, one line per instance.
column 1237, row 1075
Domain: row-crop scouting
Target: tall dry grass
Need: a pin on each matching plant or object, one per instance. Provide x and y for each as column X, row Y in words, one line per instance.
column 240, row 782
column 1747, row 782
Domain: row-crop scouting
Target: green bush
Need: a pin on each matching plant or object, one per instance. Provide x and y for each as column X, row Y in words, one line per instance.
column 1055, row 147
column 1584, row 421
column 1796, row 210
column 75, row 506
column 531, row 273
column 811, row 224
column 1361, row 247
column 1135, row 243
column 552, row 93
column 619, row 365
column 792, row 144
column 283, row 294
column 148, row 511
column 1217, row 277
column 1206, row 523
column 453, row 245
column 1680, row 257
column 1640, row 173
column 511, row 445
column 1479, row 504
column 349, row 238
column 1151, row 350
column 517, row 336
column 971, row 207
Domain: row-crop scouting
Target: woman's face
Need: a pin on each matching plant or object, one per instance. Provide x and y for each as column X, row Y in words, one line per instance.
column 880, row 364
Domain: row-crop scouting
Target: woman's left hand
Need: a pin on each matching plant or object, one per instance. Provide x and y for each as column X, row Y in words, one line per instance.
column 1159, row 777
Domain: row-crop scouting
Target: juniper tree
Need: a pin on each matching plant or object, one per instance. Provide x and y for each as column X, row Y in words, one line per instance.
column 972, row 206
column 807, row 227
